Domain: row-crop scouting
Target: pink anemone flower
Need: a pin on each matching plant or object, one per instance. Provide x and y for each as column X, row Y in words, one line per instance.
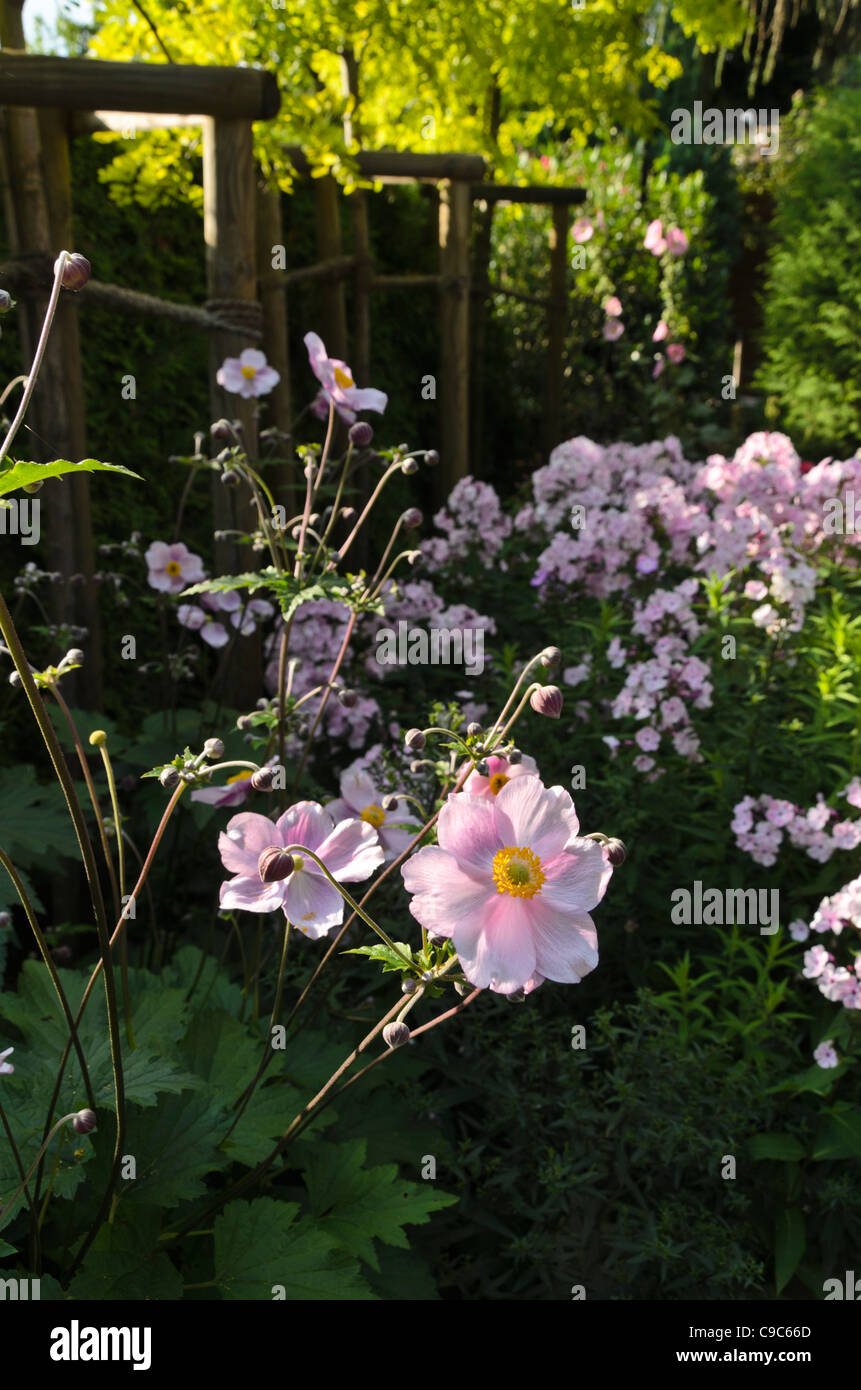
column 350, row 850
column 247, row 375
column 338, row 385
column 499, row 772
column 361, row 797
column 511, row 882
column 171, row 568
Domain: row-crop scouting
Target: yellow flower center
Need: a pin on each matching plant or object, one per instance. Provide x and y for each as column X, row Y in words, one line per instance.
column 374, row 815
column 249, row 373
column 173, row 568
column 517, row 871
column 239, row 776
column 343, row 378
column 497, row 782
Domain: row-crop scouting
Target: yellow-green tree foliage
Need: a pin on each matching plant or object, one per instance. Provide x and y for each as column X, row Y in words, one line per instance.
column 425, row 71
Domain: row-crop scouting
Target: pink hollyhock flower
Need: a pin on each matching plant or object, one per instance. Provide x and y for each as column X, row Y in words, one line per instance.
column 361, row 797
column 613, row 329
column 350, row 850
column 582, row 230
column 654, row 238
column 499, row 772
column 338, row 385
column 676, row 352
column 247, row 375
column 172, row 567
column 613, row 307
column 658, row 367
column 511, row 882
column 677, row 241
column 6, row 1068
column 824, row 1055
column 660, row 332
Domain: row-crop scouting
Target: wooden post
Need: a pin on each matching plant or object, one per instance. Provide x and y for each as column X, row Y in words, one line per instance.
column 56, row 412
column 58, row 187
column 333, row 329
column 273, row 301
column 361, row 362
column 479, row 312
column 229, row 200
column 556, row 321
column 454, row 227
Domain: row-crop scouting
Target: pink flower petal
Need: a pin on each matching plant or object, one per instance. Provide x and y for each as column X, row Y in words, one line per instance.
column 352, row 852
column 312, row 904
column 247, row 894
column 242, row 843
column 498, row 950
column 468, row 829
column 535, row 817
column 576, row 881
column 305, row 823
column 566, row 948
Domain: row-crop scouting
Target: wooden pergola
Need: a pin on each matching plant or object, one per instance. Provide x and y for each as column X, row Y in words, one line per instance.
column 45, row 100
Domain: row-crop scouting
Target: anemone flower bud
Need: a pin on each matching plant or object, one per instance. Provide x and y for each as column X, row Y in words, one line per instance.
column 409, row 986
column 347, row 698
column 347, row 513
column 220, row 429
column 84, row 1122
column 389, row 802
column 230, row 477
column 262, row 779
column 616, row 852
column 361, row 434
column 516, row 996
column 515, row 756
column 431, row 458
column 462, row 987
column 6, row 301
column 411, row 518
column 98, row 738
column 550, row 658
column 169, row 779
column 474, row 730
column 274, row 864
column 74, row 656
column 76, row 271
column 547, row 700
column 416, row 765
column 244, row 721
column 14, row 678
column 482, row 769
column 409, row 466
column 213, row 748
column 396, row 1034
column 415, row 739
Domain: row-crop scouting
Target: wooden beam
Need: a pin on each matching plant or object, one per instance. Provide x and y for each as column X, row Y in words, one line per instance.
column 80, row 84
column 403, row 164
column 454, row 230
column 406, row 282
column 527, row 193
